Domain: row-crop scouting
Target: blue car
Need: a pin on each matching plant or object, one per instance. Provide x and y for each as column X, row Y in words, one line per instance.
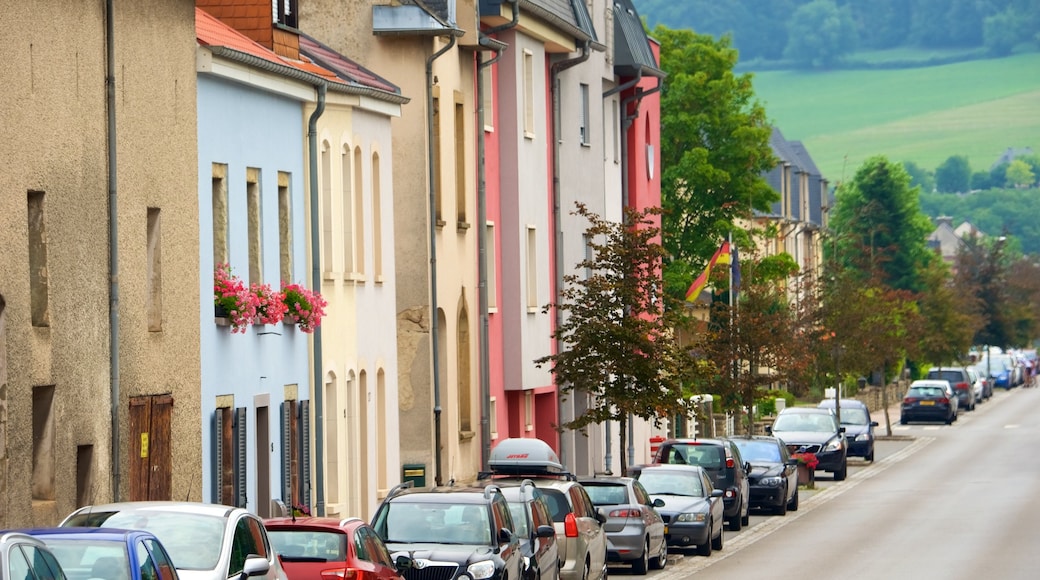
column 108, row 553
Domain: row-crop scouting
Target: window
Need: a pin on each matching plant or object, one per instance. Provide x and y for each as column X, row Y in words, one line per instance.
column 583, row 114
column 248, row 540
column 347, row 204
column 493, row 418
column 43, row 443
column 435, row 159
column 39, row 301
column 160, row 559
column 84, row 474
column 488, row 88
column 528, row 411
column 359, row 214
column 327, row 234
column 465, row 390
column 377, row 220
column 492, row 266
column 528, row 94
column 532, row 269
column 254, row 216
column 587, row 244
column 615, row 137
column 285, row 241
column 460, row 162
column 219, row 200
column 153, row 266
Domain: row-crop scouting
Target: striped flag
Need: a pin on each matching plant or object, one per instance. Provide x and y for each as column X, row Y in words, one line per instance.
column 722, row 256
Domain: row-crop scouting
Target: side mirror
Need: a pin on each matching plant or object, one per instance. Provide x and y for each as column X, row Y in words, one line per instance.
column 658, row 502
column 841, row 429
column 769, row 429
column 793, row 462
column 255, row 566
column 403, row 563
column 717, row 493
column 544, row 532
column 601, row 516
column 747, row 467
column 505, row 536
column 873, row 423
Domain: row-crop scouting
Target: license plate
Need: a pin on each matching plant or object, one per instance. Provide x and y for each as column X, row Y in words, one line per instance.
column 927, row 403
column 666, row 529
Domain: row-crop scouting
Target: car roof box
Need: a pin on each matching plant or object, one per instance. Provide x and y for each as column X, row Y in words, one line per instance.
column 523, row 456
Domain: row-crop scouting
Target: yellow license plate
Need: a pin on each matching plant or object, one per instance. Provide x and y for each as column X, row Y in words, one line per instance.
column 666, row 529
column 927, row 403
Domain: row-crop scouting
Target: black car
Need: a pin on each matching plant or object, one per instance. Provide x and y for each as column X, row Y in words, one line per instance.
column 724, row 465
column 451, row 532
column 533, row 519
column 961, row 382
column 773, row 476
column 859, row 427
column 929, row 400
column 814, row 430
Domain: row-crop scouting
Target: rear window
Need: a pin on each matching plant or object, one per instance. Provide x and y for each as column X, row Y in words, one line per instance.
column 951, row 375
column 606, row 494
column 313, row 546
column 558, row 505
column 707, row 456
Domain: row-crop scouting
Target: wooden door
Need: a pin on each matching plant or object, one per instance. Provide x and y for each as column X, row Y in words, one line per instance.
column 150, row 447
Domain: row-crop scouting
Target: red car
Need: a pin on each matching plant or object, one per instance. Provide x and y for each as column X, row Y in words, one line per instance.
column 331, row 549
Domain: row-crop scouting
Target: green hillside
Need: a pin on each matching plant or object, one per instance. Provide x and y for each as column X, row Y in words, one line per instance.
column 976, row 108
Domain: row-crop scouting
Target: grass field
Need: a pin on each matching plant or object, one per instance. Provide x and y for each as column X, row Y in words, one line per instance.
column 977, row 108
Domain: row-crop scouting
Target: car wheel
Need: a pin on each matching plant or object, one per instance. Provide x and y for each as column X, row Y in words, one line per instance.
column 842, row 473
column 640, row 564
column 746, row 518
column 716, row 543
column 951, row 419
column 870, row 456
column 662, row 558
column 793, row 505
column 781, row 510
column 705, row 548
column 903, row 421
column 735, row 521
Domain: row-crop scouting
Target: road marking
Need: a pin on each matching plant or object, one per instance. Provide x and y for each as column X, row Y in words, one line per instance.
column 773, row 524
column 1011, row 426
column 932, row 428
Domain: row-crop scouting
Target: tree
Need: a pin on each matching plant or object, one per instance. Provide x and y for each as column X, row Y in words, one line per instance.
column 950, row 318
column 982, row 275
column 878, row 223
column 981, row 180
column 819, row 34
column 954, row 175
column 1020, row 174
column 919, row 176
column 714, row 150
column 619, row 346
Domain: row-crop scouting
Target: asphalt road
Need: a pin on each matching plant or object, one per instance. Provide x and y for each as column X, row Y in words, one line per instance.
column 958, row 501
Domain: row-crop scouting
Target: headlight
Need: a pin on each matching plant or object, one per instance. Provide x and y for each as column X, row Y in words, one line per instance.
column 863, row 437
column 771, row 481
column 833, row 445
column 691, row 518
column 481, row 570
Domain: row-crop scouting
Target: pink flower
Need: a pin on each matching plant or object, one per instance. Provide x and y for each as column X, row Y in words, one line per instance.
column 304, row 307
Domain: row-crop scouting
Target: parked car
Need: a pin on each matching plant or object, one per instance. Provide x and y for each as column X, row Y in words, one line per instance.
column 859, row 427
column 929, row 400
column 450, row 532
column 316, row 548
column 108, row 553
column 24, row 557
column 534, row 527
column 773, row 476
column 1002, row 370
column 983, row 388
column 693, row 510
column 721, row 459
column 814, row 430
column 635, row 531
column 961, row 382
column 580, row 536
column 205, row 541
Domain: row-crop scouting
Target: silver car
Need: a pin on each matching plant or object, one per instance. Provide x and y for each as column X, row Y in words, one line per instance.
column 205, row 541
column 635, row 531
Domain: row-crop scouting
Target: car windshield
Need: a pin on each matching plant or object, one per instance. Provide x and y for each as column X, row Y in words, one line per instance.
column 302, row 545
column 816, row 422
column 853, row 416
column 663, row 482
column 91, row 558
column 437, row 523
column 755, row 451
column 193, row 541
column 518, row 509
column 607, row 494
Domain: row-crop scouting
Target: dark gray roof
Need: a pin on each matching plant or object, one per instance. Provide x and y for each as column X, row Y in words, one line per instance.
column 632, row 53
column 563, row 14
column 805, row 160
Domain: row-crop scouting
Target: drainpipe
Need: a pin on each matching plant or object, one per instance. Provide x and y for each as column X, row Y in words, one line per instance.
column 319, row 385
column 482, row 275
column 435, row 348
column 113, row 245
column 555, row 70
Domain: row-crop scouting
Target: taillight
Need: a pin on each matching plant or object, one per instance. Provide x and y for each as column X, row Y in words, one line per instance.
column 730, row 493
column 944, row 401
column 730, row 463
column 342, row 574
column 625, row 513
column 962, row 386
column 570, row 526
column 909, row 400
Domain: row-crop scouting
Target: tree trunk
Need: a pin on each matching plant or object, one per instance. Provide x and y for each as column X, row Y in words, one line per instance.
column 884, row 398
column 623, row 452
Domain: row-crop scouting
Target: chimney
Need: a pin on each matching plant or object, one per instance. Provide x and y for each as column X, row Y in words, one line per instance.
column 274, row 29
column 944, row 219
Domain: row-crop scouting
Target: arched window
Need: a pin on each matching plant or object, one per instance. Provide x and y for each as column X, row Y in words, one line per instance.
column 465, row 388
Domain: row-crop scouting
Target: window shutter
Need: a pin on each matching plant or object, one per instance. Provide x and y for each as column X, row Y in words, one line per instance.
column 240, row 457
column 304, row 425
column 218, row 455
column 287, row 410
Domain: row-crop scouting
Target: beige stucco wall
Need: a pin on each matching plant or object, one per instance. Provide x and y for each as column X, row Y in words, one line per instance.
column 53, row 114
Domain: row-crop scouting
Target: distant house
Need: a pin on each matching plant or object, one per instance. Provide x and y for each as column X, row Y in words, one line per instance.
column 1010, row 155
column 947, row 240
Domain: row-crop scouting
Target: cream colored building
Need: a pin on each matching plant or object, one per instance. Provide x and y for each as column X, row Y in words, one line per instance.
column 81, row 422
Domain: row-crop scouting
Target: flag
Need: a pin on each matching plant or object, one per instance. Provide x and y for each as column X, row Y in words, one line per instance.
column 721, row 257
column 736, row 273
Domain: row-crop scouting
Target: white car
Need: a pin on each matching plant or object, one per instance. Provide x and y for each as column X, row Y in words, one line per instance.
column 978, row 384
column 205, row 541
